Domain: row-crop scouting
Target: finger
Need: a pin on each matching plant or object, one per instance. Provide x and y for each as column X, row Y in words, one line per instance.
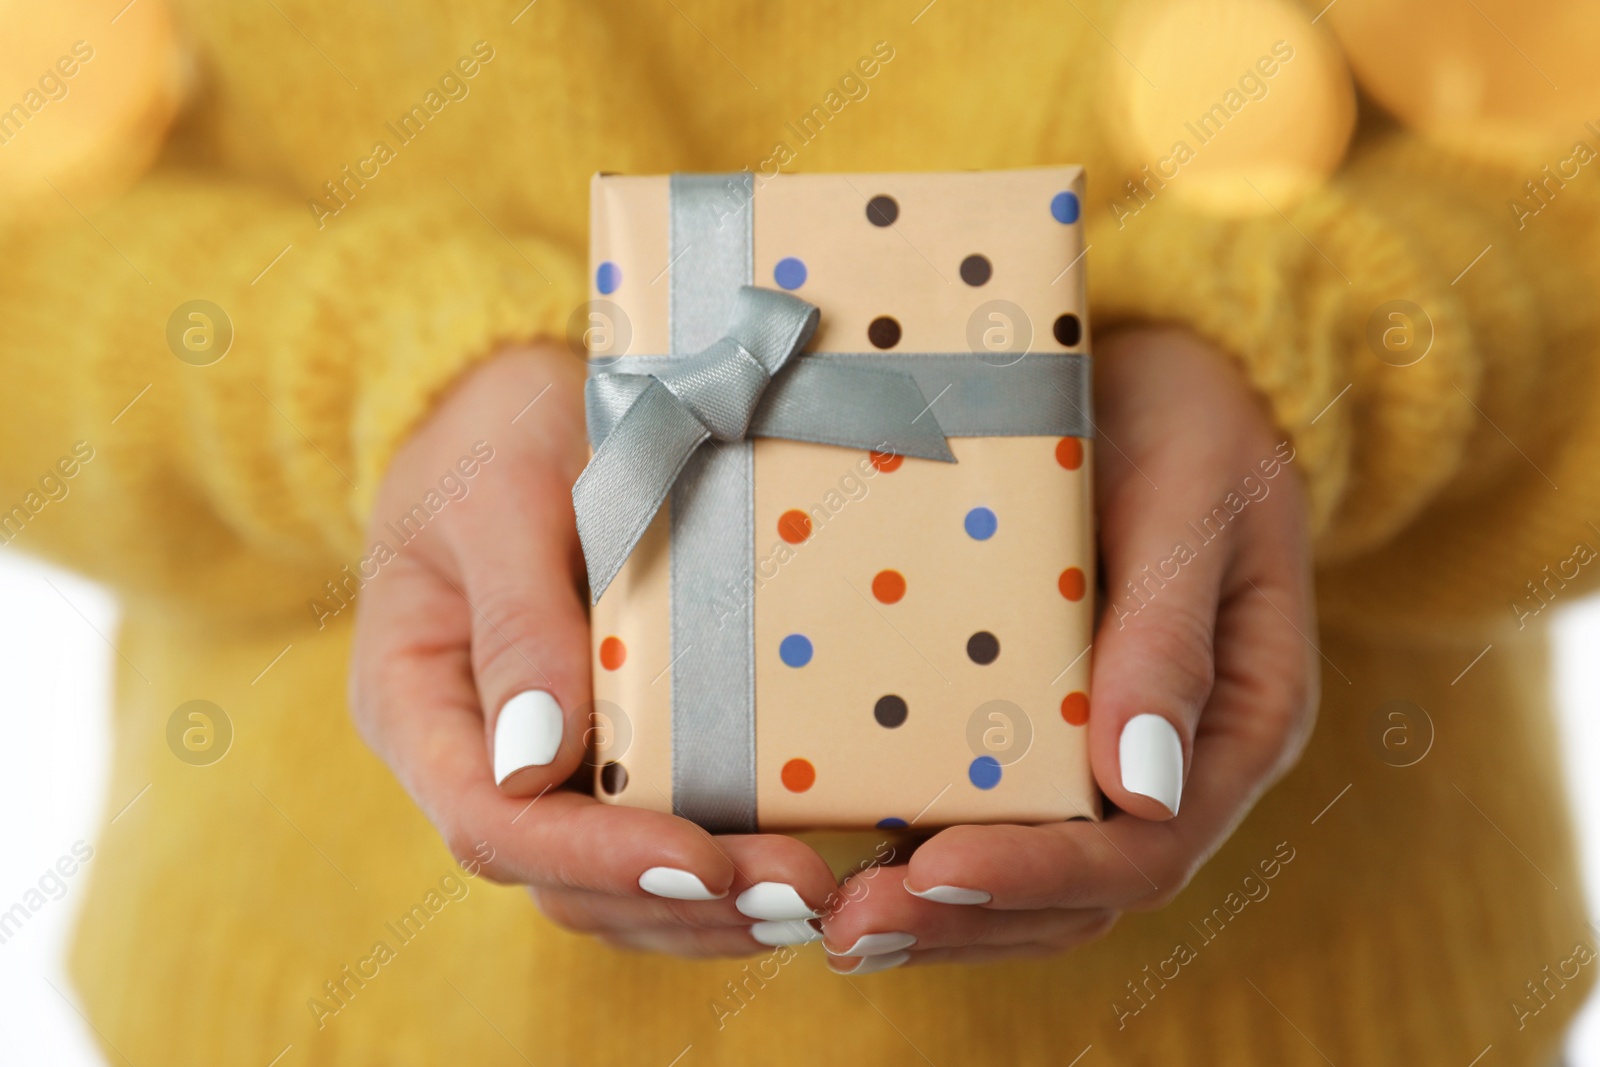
column 984, row 954
column 1121, row 863
column 890, row 919
column 599, row 915
column 689, row 944
column 1153, row 657
column 529, row 627
column 777, row 880
column 414, row 699
column 587, row 912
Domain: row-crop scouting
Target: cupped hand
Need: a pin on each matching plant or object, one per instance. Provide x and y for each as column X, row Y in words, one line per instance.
column 1204, row 679
column 470, row 678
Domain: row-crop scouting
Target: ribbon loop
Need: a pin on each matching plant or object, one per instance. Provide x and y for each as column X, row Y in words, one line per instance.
column 772, row 326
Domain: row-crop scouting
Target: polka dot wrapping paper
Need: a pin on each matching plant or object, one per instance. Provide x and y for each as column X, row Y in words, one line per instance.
column 921, row 629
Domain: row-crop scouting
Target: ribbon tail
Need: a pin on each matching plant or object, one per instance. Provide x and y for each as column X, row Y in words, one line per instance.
column 628, row 478
column 835, row 403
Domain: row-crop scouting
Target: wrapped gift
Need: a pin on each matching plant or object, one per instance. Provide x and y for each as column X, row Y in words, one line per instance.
column 838, row 518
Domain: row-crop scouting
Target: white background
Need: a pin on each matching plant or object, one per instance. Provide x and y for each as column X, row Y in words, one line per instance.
column 55, row 670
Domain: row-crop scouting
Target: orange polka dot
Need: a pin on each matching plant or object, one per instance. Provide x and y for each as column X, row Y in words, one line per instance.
column 1075, row 709
column 799, row 775
column 1071, row 584
column 612, row 653
column 886, row 461
column 889, row 586
column 794, row 526
column 1069, row 453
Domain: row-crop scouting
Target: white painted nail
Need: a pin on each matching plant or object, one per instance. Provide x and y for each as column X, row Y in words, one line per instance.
column 1152, row 760
column 676, row 884
column 873, row 964
column 878, row 944
column 793, row 932
column 951, row 894
column 773, row 901
column 527, row 733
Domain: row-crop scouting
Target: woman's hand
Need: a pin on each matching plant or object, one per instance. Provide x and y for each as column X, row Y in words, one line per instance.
column 470, row 678
column 1204, row 690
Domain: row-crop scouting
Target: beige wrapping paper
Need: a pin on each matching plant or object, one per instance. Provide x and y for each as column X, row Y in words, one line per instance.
column 922, row 629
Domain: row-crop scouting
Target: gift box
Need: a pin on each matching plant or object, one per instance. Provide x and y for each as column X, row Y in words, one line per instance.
column 838, row 518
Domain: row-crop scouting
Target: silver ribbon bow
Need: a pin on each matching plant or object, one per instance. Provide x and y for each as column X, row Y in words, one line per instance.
column 748, row 383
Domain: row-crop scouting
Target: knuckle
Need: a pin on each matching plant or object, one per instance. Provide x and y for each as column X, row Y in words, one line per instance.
column 977, row 930
column 1063, row 884
column 1081, row 932
column 1158, row 898
column 1283, row 711
column 1171, row 878
column 695, row 915
column 473, row 853
column 560, row 910
column 1100, row 925
column 503, row 643
column 1295, row 715
column 1179, row 640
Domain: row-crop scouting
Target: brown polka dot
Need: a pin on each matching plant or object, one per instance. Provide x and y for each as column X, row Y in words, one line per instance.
column 1069, row 330
column 889, row 586
column 612, row 653
column 983, row 648
column 976, row 269
column 1069, row 453
column 794, row 526
column 882, row 210
column 1075, row 709
column 886, row 461
column 890, row 711
column 1072, row 584
column 883, row 332
column 613, row 778
column 798, row 775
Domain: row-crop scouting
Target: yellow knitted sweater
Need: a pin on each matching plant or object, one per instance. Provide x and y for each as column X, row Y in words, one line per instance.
column 1417, row 914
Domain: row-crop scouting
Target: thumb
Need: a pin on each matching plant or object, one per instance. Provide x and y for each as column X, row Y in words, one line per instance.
column 1154, row 662
column 530, row 632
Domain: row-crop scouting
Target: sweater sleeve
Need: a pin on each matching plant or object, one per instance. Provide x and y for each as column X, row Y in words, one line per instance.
column 342, row 337
column 1444, row 476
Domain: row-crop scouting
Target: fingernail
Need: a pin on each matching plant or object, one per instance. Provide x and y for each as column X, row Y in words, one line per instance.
column 676, row 884
column 877, row 944
column 1152, row 760
column 951, row 894
column 871, row 964
column 793, row 932
column 774, row 901
column 527, row 733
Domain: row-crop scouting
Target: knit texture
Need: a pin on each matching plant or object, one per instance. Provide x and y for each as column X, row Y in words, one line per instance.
column 1419, row 902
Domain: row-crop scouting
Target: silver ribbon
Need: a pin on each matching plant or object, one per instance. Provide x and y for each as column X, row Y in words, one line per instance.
column 735, row 372
column 647, row 422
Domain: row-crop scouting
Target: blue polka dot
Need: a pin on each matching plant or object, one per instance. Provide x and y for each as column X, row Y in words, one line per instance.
column 981, row 524
column 984, row 772
column 1064, row 206
column 795, row 650
column 790, row 273
column 891, row 823
column 608, row 277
